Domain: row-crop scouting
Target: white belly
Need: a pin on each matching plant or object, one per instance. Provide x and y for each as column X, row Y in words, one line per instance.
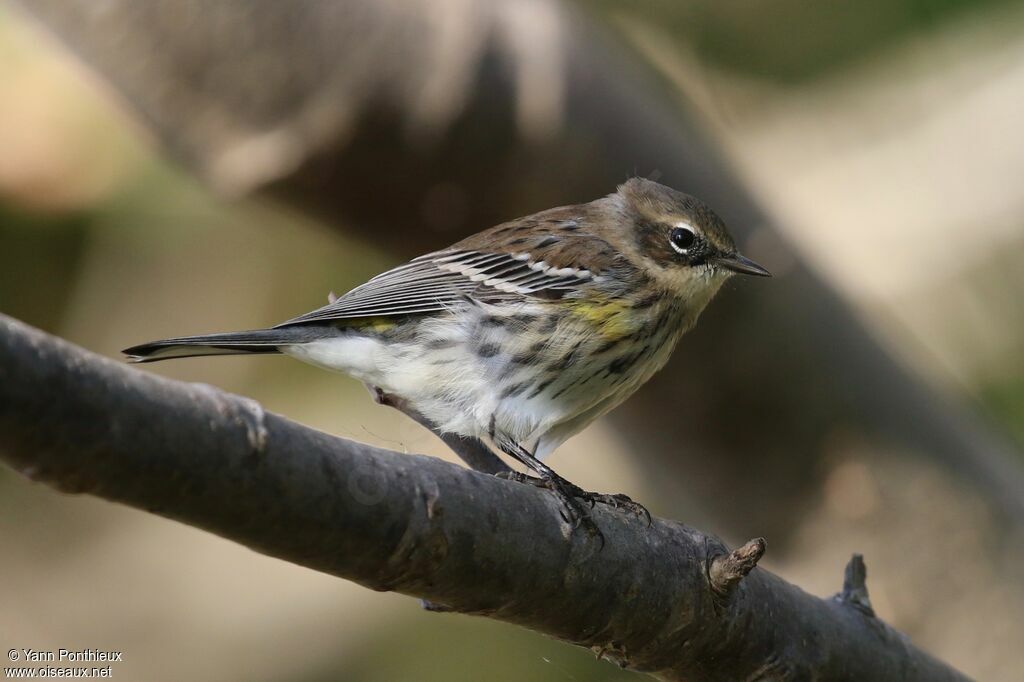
column 450, row 370
column 449, row 386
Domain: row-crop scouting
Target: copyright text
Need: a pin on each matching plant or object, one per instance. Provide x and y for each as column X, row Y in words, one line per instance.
column 64, row 663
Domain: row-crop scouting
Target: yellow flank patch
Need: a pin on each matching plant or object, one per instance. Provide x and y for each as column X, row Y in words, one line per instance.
column 612, row 319
column 373, row 324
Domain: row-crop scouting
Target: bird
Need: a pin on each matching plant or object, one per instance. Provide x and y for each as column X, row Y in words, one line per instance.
column 518, row 336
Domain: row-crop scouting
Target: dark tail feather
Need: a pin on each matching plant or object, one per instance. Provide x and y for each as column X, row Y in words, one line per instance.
column 231, row 343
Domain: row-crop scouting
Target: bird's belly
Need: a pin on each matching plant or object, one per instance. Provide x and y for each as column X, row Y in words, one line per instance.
column 442, row 384
column 525, row 373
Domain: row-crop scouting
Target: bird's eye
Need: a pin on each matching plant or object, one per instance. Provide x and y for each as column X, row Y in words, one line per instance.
column 682, row 238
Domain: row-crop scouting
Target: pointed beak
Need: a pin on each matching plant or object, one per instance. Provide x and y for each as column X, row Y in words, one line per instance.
column 741, row 264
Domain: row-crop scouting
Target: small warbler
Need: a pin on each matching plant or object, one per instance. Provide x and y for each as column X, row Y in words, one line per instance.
column 520, row 335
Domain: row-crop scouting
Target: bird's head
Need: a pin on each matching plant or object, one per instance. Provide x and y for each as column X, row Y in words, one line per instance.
column 682, row 241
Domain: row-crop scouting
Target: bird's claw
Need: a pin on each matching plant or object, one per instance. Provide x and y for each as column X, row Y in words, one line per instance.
column 574, row 513
column 569, row 494
column 637, row 509
column 619, row 501
column 517, row 477
column 571, row 511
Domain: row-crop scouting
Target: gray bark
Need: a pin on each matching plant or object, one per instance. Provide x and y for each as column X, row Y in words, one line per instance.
column 666, row 599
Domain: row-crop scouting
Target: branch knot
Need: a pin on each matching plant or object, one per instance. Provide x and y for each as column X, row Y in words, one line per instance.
column 855, row 589
column 725, row 571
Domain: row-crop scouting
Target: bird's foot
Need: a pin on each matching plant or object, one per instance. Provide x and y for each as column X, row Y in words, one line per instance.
column 573, row 512
column 619, row 501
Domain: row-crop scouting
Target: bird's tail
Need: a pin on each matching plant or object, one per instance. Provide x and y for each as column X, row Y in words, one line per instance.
column 230, row 343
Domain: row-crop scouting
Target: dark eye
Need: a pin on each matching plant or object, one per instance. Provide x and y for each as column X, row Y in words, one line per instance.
column 682, row 239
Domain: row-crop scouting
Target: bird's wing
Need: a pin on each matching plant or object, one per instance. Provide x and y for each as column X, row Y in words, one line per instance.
column 437, row 281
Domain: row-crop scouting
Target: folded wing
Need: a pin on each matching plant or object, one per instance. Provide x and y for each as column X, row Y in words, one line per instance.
column 440, row 280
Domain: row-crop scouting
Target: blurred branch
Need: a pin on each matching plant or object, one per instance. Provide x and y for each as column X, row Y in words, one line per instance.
column 666, row 599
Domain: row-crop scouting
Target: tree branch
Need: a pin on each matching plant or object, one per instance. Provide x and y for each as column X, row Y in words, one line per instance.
column 666, row 599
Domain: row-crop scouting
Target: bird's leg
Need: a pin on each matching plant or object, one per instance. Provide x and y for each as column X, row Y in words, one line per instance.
column 473, row 451
column 479, row 457
column 574, row 513
column 520, row 477
column 619, row 501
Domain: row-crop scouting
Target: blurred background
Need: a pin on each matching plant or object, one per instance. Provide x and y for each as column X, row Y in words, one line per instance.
column 177, row 167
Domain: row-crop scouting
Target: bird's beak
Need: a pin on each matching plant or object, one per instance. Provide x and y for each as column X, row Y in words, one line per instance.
column 741, row 264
